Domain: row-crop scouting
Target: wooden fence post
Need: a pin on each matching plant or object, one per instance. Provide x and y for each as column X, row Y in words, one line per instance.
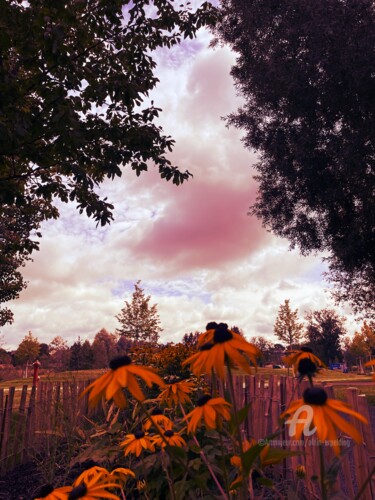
column 6, row 426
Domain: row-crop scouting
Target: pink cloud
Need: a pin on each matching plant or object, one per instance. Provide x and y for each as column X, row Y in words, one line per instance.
column 203, row 226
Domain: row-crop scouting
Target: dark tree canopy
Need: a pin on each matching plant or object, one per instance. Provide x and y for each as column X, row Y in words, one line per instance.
column 324, row 331
column 306, row 73
column 73, row 79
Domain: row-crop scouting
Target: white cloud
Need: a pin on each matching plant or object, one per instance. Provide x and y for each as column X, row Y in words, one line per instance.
column 167, row 236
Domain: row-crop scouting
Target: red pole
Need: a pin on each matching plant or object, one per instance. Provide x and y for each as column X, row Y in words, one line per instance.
column 36, row 366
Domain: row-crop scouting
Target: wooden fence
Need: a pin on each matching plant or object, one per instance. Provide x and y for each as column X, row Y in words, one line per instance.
column 28, row 415
column 32, row 416
column 269, row 398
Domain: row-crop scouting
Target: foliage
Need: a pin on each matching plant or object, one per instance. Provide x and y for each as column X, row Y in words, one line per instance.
column 190, row 339
column 59, row 353
column 171, row 357
column 74, row 77
column 324, row 329
column 27, row 351
column 265, row 346
column 139, row 320
column 103, row 348
column 81, row 355
column 287, row 328
column 18, row 226
column 361, row 345
column 304, row 70
column 5, row 358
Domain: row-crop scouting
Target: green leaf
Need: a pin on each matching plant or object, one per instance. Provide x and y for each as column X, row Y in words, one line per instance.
column 265, row 481
column 195, row 448
column 249, row 457
column 241, row 417
column 177, row 453
column 276, row 455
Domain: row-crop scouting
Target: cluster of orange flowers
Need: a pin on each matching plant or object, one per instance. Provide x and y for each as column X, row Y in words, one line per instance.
column 92, row 484
column 219, row 350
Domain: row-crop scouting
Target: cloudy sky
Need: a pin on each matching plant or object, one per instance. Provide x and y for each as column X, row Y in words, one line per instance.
column 198, row 254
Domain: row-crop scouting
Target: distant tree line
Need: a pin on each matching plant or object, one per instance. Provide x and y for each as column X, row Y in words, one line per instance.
column 323, row 331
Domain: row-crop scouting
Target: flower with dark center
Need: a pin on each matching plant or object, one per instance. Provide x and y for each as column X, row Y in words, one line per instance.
column 207, row 346
column 295, row 357
column 122, row 374
column 170, row 439
column 48, row 492
column 177, row 393
column 78, row 492
column 211, row 325
column 306, row 367
column 119, row 361
column 222, row 334
column 229, row 348
column 210, row 410
column 203, row 399
column 136, row 443
column 158, row 420
column 317, row 411
column 315, row 396
column 94, row 486
column 120, row 475
column 91, row 472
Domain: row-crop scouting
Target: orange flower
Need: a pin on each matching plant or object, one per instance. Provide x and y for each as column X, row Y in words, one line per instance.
column 324, row 415
column 211, row 410
column 122, row 374
column 208, row 335
column 93, row 487
column 135, row 443
column 170, row 438
column 158, row 419
column 294, row 358
column 120, row 475
column 48, row 492
column 90, row 473
column 177, row 393
column 225, row 346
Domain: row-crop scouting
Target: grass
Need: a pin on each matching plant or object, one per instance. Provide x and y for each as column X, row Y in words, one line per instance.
column 324, row 375
column 53, row 377
column 343, row 379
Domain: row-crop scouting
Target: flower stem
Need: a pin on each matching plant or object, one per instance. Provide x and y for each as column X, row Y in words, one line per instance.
column 169, row 479
column 205, row 460
column 364, row 485
column 145, row 475
column 238, row 430
column 322, row 473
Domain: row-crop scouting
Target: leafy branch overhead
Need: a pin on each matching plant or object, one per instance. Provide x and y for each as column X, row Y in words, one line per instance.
column 73, row 79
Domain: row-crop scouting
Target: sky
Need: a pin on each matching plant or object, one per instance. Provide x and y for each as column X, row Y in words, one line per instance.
column 197, row 252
